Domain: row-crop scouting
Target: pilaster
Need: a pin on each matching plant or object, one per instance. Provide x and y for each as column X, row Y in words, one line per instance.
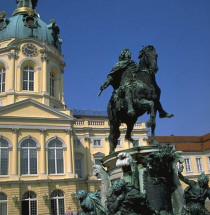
column 43, row 154
column 13, row 56
column 45, row 60
column 15, row 153
column 70, row 153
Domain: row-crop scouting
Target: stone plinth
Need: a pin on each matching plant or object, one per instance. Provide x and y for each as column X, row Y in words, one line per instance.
column 137, row 153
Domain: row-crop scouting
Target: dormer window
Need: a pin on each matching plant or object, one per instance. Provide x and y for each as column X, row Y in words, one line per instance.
column 28, row 78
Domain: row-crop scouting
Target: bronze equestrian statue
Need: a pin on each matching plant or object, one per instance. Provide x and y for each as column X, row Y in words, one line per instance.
column 135, row 93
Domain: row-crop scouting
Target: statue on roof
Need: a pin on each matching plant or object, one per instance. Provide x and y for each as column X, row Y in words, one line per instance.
column 27, row 3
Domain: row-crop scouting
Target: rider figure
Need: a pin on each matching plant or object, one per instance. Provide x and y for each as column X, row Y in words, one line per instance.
column 115, row 76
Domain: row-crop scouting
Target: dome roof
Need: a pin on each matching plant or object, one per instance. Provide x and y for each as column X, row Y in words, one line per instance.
column 26, row 23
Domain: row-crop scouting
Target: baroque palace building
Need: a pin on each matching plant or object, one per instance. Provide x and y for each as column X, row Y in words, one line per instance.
column 46, row 150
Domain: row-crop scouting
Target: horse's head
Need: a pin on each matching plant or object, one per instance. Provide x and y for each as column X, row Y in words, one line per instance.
column 148, row 58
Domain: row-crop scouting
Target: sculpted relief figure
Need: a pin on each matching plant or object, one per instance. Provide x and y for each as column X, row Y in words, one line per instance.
column 125, row 199
column 195, row 194
column 135, row 93
column 90, row 203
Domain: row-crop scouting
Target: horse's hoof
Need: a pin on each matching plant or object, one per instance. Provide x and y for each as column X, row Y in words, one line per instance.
column 169, row 115
column 166, row 115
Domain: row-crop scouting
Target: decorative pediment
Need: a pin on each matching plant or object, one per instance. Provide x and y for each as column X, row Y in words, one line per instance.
column 32, row 110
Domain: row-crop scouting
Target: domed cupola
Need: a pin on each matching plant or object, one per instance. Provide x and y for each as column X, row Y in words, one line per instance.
column 26, row 23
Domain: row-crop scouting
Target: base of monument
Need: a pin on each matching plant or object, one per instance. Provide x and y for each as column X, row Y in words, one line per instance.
column 137, row 153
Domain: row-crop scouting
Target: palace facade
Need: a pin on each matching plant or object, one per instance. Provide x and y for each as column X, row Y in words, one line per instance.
column 46, row 150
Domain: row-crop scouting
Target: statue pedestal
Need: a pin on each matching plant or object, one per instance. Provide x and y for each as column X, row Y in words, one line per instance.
column 137, row 153
column 152, row 171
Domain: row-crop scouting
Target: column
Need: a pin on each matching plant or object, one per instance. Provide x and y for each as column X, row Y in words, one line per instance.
column 13, row 56
column 88, row 154
column 70, row 152
column 61, row 88
column 43, row 153
column 45, row 60
column 15, row 153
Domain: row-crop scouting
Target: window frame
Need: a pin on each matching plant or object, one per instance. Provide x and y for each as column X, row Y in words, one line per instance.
column 200, row 164
column 28, row 148
column 57, row 198
column 208, row 162
column 29, row 70
column 79, row 157
column 29, row 201
column 98, row 156
column 56, row 148
column 4, row 201
column 52, row 84
column 190, row 165
column 8, row 161
column 98, row 146
column 2, row 80
column 76, row 141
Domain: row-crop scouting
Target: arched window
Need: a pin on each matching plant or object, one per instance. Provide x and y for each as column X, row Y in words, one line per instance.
column 55, row 157
column 29, row 203
column 28, row 156
column 57, row 203
column 4, row 157
column 28, row 78
column 3, row 204
column 52, row 84
column 2, row 80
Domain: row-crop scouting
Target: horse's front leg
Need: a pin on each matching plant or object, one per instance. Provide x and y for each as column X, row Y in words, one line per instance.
column 114, row 135
column 149, row 106
column 154, row 141
column 130, row 126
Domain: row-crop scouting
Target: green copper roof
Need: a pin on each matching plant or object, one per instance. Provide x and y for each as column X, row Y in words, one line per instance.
column 26, row 23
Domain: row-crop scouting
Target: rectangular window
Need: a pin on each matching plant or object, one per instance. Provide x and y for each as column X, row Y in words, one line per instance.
column 3, row 207
column 52, row 85
column 4, row 161
column 33, row 161
column 2, row 80
column 199, row 164
column 78, row 167
column 28, row 79
column 55, row 161
column 77, row 143
column 98, row 162
column 59, row 156
column 51, row 161
column 208, row 160
column 97, row 143
column 24, row 161
column 187, row 165
column 28, row 161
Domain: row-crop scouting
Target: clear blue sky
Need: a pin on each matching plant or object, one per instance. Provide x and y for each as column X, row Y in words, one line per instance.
column 94, row 32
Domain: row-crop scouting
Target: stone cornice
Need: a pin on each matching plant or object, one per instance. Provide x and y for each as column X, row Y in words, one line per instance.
column 15, row 128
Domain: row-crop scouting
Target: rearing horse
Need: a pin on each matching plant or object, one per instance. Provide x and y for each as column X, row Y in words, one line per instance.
column 139, row 82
